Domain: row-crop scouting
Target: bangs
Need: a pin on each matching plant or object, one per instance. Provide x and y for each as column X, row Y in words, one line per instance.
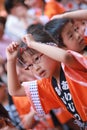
column 31, row 52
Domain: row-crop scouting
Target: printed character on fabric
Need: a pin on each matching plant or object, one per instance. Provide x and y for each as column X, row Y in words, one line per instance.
column 66, row 97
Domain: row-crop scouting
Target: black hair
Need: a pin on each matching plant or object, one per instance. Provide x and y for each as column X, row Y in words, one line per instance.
column 9, row 4
column 23, row 47
column 55, row 27
column 33, row 27
column 2, row 20
column 39, row 35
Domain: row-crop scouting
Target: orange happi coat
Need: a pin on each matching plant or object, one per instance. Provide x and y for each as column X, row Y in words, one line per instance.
column 43, row 97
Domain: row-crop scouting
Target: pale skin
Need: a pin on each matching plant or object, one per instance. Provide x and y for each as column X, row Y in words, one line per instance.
column 17, row 89
column 57, row 54
column 28, row 119
column 8, row 128
column 14, row 86
column 78, row 14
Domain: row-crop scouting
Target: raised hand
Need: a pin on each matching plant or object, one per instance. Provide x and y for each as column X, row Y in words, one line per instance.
column 28, row 39
column 11, row 51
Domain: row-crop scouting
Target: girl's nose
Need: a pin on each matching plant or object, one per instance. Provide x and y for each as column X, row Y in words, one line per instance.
column 78, row 35
column 36, row 67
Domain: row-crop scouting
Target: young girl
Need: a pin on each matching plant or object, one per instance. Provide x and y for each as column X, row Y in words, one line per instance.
column 52, row 92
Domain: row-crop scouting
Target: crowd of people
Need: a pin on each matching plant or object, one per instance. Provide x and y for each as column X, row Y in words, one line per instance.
column 43, row 65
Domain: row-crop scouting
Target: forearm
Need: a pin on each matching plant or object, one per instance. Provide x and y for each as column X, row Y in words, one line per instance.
column 55, row 53
column 78, row 14
column 14, row 86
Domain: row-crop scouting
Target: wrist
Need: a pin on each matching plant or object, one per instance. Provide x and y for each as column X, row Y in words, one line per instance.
column 65, row 15
column 33, row 44
column 11, row 60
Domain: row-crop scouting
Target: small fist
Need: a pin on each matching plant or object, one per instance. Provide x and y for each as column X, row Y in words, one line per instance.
column 28, row 39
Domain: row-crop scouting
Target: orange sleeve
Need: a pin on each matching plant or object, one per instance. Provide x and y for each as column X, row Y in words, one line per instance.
column 48, row 97
column 41, row 96
column 63, row 116
column 22, row 104
column 53, row 8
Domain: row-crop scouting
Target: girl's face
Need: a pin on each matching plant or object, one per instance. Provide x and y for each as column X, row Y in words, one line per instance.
column 40, row 65
column 73, row 37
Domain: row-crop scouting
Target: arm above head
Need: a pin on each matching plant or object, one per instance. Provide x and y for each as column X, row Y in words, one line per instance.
column 53, row 52
column 77, row 14
column 14, row 86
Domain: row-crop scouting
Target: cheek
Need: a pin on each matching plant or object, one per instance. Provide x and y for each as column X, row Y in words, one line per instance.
column 50, row 64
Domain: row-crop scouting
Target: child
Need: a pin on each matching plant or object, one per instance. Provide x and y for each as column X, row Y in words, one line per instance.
column 41, row 67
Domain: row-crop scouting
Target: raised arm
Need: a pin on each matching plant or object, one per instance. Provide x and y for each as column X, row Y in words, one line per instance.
column 78, row 14
column 14, row 86
column 53, row 52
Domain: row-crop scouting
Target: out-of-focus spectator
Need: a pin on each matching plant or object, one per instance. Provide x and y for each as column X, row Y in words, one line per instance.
column 4, row 39
column 3, row 92
column 4, row 116
column 44, row 8
column 5, row 122
column 82, row 4
column 17, row 13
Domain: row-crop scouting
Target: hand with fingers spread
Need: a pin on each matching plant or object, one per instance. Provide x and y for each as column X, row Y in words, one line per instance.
column 28, row 39
column 11, row 51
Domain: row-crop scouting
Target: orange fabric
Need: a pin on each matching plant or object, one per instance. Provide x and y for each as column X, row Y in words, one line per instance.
column 63, row 116
column 22, row 104
column 53, row 8
column 50, row 100
column 77, row 81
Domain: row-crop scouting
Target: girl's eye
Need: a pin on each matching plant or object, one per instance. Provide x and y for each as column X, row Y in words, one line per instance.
column 30, row 65
column 36, row 59
column 83, row 23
